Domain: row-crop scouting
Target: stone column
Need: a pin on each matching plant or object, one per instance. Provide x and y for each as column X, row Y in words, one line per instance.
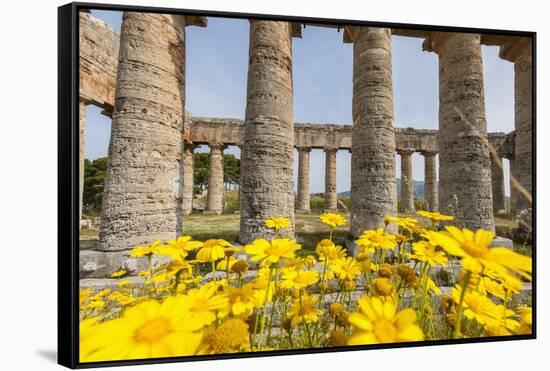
column 187, row 200
column 464, row 164
column 430, row 180
column 520, row 52
column 241, row 167
column 214, row 197
column 143, row 186
column 407, row 184
column 267, row 189
column 513, row 186
column 497, row 179
column 81, row 133
column 373, row 183
column 303, row 179
column 331, row 196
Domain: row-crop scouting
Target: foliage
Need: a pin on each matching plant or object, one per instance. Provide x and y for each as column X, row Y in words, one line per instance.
column 231, row 171
column 384, row 293
column 94, row 177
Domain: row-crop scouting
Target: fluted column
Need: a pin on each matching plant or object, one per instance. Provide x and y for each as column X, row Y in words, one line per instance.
column 267, row 189
column 81, row 134
column 331, row 196
column 241, row 171
column 497, row 179
column 373, row 183
column 214, row 197
column 407, row 184
column 514, row 192
column 187, row 199
column 430, row 180
column 464, row 163
column 303, row 203
column 520, row 52
column 143, row 186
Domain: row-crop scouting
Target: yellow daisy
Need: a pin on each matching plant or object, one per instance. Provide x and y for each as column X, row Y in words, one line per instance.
column 377, row 321
column 271, row 252
column 333, row 220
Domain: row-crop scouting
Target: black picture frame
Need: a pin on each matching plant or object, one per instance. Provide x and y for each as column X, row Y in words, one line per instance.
column 68, row 173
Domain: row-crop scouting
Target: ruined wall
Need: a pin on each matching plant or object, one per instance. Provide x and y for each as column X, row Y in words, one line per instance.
column 99, row 45
column 230, row 131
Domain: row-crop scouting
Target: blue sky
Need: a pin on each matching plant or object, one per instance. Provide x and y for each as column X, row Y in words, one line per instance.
column 216, row 70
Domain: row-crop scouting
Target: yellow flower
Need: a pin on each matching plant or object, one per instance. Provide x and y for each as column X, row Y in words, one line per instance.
column 377, row 321
column 203, row 303
column 426, row 252
column 299, row 279
column 147, row 330
column 229, row 337
column 383, row 286
column 333, row 220
column 434, row 216
column 304, row 310
column 329, row 252
column 431, row 286
column 213, row 250
column 241, row 301
column 277, row 223
column 140, row 251
column 479, row 307
column 476, row 254
column 100, row 294
column 224, row 264
column 124, row 283
column 84, row 295
column 179, row 248
column 119, row 273
column 271, row 252
column 525, row 320
column 373, row 239
column 410, row 224
column 346, row 268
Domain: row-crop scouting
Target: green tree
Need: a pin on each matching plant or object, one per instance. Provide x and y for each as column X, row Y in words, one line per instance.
column 94, row 177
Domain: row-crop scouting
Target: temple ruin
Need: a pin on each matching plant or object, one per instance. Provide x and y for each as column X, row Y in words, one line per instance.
column 138, row 80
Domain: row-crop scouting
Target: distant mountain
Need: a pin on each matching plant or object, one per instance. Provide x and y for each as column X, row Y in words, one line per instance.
column 418, row 188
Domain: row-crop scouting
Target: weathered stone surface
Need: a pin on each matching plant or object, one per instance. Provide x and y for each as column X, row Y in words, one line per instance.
column 98, row 50
column 430, row 180
column 267, row 188
column 407, row 182
column 143, row 186
column 464, row 164
column 81, row 132
column 520, row 52
column 303, row 203
column 373, row 187
column 331, row 195
column 111, row 283
column 497, row 180
column 101, row 264
column 214, row 201
column 230, row 131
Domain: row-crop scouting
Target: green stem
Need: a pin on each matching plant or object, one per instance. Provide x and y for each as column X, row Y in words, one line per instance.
column 458, row 321
column 214, row 270
column 264, row 314
column 305, row 324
